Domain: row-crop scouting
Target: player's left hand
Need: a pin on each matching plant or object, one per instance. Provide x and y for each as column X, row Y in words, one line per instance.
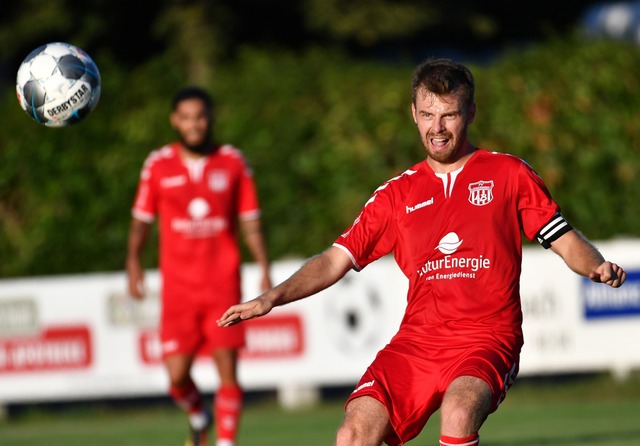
column 247, row 310
column 609, row 273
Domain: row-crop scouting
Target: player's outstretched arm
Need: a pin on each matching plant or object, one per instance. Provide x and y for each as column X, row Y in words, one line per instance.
column 315, row 275
column 585, row 259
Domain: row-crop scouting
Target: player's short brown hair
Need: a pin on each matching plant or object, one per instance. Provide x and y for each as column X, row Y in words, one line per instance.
column 442, row 77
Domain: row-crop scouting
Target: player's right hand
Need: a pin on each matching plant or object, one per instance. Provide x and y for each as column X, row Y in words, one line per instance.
column 135, row 276
column 244, row 311
column 136, row 288
column 609, row 273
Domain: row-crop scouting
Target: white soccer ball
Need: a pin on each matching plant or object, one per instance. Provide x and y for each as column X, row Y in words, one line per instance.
column 58, row 84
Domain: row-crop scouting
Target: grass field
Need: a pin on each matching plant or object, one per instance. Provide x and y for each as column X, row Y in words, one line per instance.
column 593, row 411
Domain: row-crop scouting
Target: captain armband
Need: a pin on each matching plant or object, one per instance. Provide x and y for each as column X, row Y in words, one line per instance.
column 553, row 230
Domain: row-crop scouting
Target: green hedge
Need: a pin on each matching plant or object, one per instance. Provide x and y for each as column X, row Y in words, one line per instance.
column 571, row 110
column 321, row 131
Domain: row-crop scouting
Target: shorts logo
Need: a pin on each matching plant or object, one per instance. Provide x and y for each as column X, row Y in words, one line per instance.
column 170, row 346
column 481, row 192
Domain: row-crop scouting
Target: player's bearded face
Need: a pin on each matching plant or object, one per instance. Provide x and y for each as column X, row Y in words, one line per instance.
column 192, row 121
column 442, row 123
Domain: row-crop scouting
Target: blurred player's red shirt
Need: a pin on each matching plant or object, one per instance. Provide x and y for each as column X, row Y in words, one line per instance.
column 457, row 237
column 198, row 203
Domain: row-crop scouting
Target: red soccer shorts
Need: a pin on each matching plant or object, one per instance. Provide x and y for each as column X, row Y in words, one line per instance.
column 188, row 322
column 410, row 378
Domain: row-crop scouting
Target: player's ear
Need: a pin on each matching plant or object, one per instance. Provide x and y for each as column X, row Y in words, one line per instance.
column 471, row 113
column 172, row 120
column 413, row 112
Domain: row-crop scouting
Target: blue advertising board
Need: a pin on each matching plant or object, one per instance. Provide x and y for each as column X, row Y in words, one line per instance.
column 601, row 301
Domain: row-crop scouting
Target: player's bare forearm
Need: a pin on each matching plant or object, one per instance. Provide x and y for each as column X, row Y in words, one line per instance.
column 585, row 259
column 254, row 240
column 135, row 276
column 315, row 275
column 138, row 234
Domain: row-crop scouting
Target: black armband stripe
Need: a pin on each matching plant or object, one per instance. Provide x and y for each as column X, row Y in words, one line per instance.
column 552, row 231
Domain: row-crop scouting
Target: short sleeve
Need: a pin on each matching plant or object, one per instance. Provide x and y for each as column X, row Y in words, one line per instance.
column 539, row 214
column 373, row 234
column 248, row 205
column 145, row 203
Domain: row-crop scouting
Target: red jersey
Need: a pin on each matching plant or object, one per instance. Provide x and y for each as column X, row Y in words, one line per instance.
column 457, row 238
column 198, row 203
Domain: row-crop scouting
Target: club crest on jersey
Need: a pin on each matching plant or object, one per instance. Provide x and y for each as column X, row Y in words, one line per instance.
column 481, row 192
column 218, row 181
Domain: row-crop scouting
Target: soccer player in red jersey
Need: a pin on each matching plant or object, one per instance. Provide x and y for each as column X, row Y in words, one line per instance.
column 454, row 223
column 202, row 192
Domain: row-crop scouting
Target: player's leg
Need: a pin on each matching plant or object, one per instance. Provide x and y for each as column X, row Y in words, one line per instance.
column 465, row 406
column 227, row 404
column 481, row 378
column 365, row 423
column 181, row 338
column 224, row 343
column 179, row 369
column 186, row 395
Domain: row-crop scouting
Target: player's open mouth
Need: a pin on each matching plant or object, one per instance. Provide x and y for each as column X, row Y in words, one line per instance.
column 439, row 143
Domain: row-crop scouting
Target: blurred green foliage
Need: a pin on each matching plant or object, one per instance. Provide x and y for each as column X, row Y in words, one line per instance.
column 321, row 130
column 571, row 108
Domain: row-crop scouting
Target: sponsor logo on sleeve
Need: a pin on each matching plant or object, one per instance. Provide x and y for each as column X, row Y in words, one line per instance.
column 365, row 385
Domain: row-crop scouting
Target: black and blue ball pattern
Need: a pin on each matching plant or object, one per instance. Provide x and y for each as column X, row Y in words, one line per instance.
column 58, row 84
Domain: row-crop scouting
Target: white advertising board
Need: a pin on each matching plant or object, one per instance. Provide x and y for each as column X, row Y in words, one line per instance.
column 572, row 324
column 82, row 337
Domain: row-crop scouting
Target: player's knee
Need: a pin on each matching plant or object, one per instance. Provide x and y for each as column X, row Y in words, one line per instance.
column 346, row 436
column 179, row 377
column 457, row 416
column 179, row 381
column 461, row 420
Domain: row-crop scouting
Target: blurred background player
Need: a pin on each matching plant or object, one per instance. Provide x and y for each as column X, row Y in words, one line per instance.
column 202, row 192
column 454, row 223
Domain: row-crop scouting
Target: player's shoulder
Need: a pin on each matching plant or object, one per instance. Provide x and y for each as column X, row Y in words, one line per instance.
column 508, row 164
column 232, row 158
column 401, row 183
column 408, row 176
column 501, row 158
column 232, row 152
column 164, row 154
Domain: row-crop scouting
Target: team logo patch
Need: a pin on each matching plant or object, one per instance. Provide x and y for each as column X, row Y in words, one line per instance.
column 218, row 181
column 481, row 192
